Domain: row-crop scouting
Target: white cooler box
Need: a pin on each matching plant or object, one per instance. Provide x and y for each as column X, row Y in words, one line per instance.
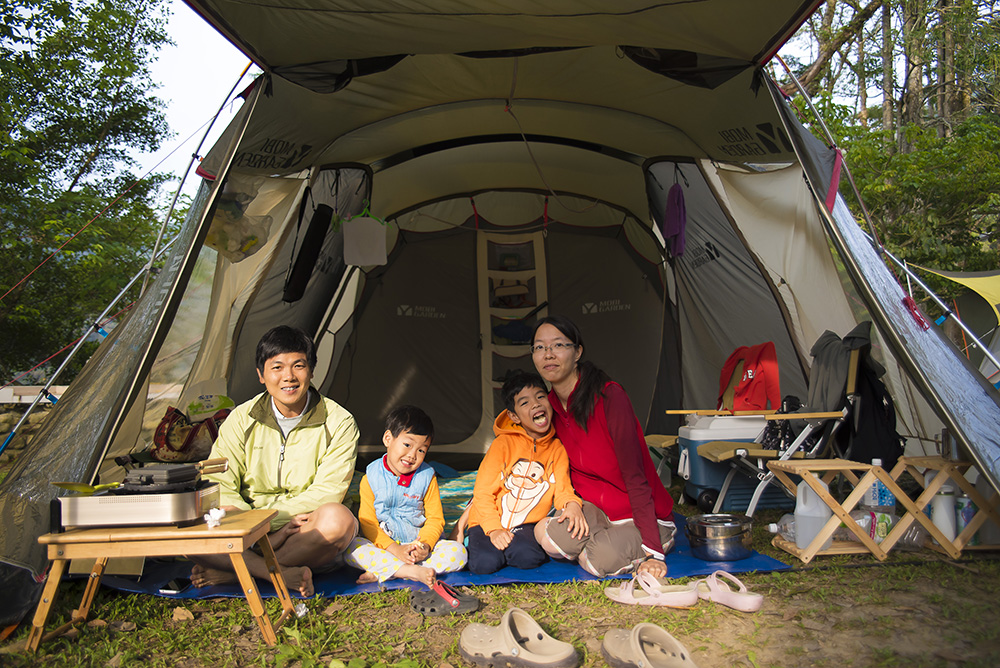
column 705, row 478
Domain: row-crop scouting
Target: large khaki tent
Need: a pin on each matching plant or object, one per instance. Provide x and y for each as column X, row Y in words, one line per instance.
column 512, row 159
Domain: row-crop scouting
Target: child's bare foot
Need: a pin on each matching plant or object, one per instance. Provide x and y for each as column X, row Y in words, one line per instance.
column 366, row 577
column 417, row 573
column 299, row 578
column 202, row 576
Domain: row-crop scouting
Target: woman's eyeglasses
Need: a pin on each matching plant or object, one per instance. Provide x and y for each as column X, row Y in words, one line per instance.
column 554, row 348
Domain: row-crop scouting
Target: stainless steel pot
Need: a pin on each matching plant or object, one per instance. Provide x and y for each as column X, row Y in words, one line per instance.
column 720, row 536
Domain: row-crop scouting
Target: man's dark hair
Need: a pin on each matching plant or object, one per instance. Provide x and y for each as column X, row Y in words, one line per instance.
column 411, row 419
column 284, row 339
column 516, row 382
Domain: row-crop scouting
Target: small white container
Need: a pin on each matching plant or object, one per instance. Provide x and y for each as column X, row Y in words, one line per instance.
column 943, row 512
column 811, row 514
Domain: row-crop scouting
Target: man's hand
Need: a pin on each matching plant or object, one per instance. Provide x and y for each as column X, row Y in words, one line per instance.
column 501, row 538
column 573, row 513
column 401, row 552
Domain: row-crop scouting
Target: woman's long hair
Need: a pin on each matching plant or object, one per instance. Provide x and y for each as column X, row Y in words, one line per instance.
column 592, row 379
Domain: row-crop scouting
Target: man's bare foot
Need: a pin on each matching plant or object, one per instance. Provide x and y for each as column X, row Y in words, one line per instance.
column 417, row 573
column 299, row 578
column 202, row 576
column 367, row 577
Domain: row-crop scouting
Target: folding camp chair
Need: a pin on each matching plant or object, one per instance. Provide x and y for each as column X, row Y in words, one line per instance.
column 813, row 440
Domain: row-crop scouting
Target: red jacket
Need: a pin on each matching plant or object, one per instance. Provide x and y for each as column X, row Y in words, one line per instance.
column 759, row 383
column 610, row 464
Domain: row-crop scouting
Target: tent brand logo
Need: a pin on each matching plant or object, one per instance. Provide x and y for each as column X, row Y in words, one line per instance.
column 766, row 138
column 405, row 310
column 273, row 154
column 605, row 306
column 703, row 254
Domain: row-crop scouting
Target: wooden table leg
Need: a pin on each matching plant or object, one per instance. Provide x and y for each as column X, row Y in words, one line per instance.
column 45, row 604
column 277, row 579
column 253, row 598
column 91, row 590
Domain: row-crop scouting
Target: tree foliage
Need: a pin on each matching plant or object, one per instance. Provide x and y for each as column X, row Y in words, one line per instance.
column 911, row 92
column 76, row 104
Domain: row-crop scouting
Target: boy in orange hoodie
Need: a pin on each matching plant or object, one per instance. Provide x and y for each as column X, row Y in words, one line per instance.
column 523, row 475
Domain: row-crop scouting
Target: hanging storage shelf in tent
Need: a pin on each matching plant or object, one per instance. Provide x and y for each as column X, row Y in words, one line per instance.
column 512, row 287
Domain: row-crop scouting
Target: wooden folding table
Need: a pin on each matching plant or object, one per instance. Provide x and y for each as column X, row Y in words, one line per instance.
column 237, row 532
column 819, row 473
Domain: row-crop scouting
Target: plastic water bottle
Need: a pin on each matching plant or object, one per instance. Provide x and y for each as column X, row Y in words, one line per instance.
column 811, row 513
column 785, row 527
column 878, row 526
column 965, row 510
column 878, row 498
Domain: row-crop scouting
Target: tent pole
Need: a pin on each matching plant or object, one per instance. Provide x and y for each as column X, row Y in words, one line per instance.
column 95, row 326
column 949, row 313
column 943, row 306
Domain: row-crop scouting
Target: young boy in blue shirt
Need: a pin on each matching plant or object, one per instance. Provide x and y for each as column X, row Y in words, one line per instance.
column 400, row 514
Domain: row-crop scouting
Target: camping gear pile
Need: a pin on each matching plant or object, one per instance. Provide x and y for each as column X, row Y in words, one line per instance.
column 576, row 136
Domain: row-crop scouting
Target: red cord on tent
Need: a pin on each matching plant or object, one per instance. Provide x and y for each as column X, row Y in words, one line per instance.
column 545, row 214
column 64, row 348
column 911, row 306
column 476, row 213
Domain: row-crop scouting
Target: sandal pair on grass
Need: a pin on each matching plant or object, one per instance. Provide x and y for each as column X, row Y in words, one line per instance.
column 652, row 591
column 520, row 641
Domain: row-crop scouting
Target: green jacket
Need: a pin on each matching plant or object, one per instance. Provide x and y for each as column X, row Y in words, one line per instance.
column 313, row 466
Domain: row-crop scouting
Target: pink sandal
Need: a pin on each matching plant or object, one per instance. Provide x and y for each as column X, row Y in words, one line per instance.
column 712, row 589
column 653, row 592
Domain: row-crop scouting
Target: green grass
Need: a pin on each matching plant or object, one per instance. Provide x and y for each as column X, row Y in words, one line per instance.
column 845, row 612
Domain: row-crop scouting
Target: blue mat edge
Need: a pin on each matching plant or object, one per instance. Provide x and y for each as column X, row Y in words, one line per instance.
column 680, row 563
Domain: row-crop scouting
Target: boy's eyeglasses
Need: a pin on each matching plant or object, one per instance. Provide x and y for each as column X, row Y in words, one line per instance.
column 554, row 348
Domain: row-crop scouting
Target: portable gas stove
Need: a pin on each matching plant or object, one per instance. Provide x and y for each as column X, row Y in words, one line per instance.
column 150, row 495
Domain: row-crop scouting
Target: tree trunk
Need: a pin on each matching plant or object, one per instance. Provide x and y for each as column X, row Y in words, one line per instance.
column 914, row 37
column 829, row 42
column 862, row 85
column 888, row 78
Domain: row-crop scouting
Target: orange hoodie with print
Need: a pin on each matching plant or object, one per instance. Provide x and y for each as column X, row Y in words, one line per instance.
column 520, row 478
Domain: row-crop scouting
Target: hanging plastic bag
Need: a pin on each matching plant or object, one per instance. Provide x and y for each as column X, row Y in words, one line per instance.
column 234, row 234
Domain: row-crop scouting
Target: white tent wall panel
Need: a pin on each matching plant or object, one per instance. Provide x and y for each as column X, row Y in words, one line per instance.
column 776, row 215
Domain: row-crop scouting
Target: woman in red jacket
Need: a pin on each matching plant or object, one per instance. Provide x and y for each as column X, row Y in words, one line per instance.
column 629, row 512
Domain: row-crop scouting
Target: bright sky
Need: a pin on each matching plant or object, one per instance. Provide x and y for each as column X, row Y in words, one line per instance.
column 196, row 74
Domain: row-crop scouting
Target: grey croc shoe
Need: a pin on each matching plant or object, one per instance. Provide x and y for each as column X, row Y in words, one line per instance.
column 517, row 641
column 645, row 646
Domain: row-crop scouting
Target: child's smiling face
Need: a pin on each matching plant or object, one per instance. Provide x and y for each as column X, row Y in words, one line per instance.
column 405, row 452
column 532, row 411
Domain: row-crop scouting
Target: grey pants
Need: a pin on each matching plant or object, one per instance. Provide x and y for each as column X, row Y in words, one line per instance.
column 611, row 548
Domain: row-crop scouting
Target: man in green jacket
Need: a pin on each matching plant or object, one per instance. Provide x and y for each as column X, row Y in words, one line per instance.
column 292, row 450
